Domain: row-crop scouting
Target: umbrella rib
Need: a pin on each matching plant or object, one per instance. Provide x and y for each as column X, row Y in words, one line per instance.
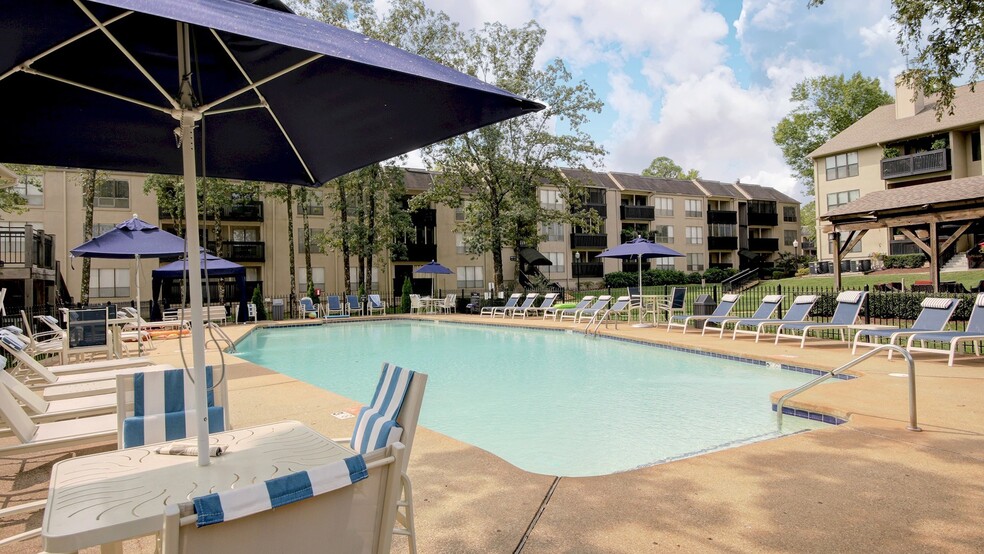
column 140, row 68
column 32, row 71
column 30, row 61
column 254, row 86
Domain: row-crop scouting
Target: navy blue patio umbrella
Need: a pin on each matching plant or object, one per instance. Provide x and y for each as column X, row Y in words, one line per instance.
column 639, row 249
column 221, row 88
column 433, row 268
column 134, row 238
column 212, row 266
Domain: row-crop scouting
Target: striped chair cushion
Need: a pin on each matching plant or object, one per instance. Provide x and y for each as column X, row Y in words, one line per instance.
column 13, row 342
column 50, row 319
column 729, row 298
column 243, row 501
column 937, row 303
column 772, row 298
column 14, row 329
column 161, row 402
column 376, row 425
column 850, row 296
column 980, row 300
column 169, row 426
column 805, row 299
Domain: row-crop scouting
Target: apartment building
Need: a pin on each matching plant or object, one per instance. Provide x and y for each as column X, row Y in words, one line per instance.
column 713, row 224
column 895, row 146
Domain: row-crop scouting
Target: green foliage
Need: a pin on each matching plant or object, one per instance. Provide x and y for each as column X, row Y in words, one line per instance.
column 940, row 144
column 716, row 275
column 650, row 278
column 693, row 278
column 825, row 106
column 904, row 261
column 313, row 294
column 666, row 168
column 10, row 200
column 405, row 296
column 257, row 299
column 891, row 152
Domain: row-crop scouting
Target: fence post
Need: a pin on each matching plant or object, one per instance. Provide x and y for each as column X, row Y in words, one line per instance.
column 867, row 306
column 779, row 291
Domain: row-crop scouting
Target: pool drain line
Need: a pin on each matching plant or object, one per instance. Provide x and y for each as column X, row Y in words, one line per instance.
column 536, row 517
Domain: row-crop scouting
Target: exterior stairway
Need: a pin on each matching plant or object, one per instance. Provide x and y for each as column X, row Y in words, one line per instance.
column 957, row 263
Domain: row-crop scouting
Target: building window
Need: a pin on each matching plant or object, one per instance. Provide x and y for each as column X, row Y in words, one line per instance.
column 788, row 237
column 842, row 165
column 557, row 258
column 551, row 199
column 693, row 208
column 695, row 235
column 252, row 275
column 552, row 231
column 354, row 279
column 975, row 146
column 313, row 206
column 471, row 277
column 109, row 283
column 662, row 263
column 459, row 243
column 664, row 206
column 663, row 234
column 459, row 214
column 789, row 213
column 835, row 199
column 314, row 234
column 101, row 228
column 112, row 193
column 245, row 234
column 722, row 230
column 695, row 262
column 856, row 250
column 29, row 188
column 317, row 278
column 596, row 196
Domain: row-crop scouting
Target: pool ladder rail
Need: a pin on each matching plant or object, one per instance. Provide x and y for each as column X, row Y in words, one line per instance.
column 217, row 336
column 913, row 425
column 598, row 321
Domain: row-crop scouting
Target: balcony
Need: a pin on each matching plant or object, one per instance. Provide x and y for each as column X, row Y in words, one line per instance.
column 722, row 243
column 237, row 251
column 421, row 252
column 647, row 213
column 424, row 217
column 246, row 211
column 763, row 245
column 587, row 269
column 602, row 209
column 916, row 164
column 584, row 240
column 27, row 247
column 763, row 219
column 633, row 267
column 722, row 217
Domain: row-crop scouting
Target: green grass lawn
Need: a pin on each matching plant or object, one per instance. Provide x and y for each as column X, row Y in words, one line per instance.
column 970, row 279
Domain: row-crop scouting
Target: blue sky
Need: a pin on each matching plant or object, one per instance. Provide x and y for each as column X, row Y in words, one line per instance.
column 700, row 81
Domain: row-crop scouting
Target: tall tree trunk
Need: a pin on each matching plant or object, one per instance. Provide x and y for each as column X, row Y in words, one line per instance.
column 309, row 273
column 88, row 198
column 346, row 249
column 361, row 214
column 291, row 248
column 371, row 229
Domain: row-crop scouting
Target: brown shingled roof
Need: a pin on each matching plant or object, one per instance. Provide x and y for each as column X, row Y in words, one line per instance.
column 758, row 192
column 589, row 178
column 966, row 191
column 881, row 127
column 634, row 181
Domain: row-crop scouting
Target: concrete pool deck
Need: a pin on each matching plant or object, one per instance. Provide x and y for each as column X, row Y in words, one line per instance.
column 868, row 485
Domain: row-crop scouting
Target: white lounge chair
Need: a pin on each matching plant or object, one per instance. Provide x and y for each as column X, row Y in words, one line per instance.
column 728, row 302
column 548, row 300
column 347, row 506
column 511, row 302
column 621, row 307
column 527, row 303
column 769, row 305
column 798, row 312
column 555, row 312
column 600, row 304
column 974, row 333
column 935, row 314
column 671, row 305
column 416, row 304
column 849, row 304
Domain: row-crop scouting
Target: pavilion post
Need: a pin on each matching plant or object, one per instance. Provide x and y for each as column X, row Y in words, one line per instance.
column 836, row 238
column 934, row 255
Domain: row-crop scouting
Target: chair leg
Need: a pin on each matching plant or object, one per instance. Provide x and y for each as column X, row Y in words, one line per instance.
column 405, row 518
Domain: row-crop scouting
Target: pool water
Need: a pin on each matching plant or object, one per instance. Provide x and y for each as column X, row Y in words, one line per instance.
column 546, row 401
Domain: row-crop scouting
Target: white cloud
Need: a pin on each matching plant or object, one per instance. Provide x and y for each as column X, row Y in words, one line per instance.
column 876, row 37
column 770, row 15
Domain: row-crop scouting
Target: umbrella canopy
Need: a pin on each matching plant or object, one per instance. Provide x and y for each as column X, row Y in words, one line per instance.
column 434, row 268
column 131, row 239
column 640, row 249
column 222, row 88
column 134, row 238
column 215, row 266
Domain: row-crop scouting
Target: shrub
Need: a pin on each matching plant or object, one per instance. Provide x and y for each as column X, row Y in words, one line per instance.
column 693, row 278
column 405, row 295
column 904, row 261
column 803, row 271
column 778, row 274
column 621, row 279
column 312, row 294
column 716, row 275
column 257, row 299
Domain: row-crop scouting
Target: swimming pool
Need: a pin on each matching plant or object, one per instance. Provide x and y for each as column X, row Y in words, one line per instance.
column 546, row 401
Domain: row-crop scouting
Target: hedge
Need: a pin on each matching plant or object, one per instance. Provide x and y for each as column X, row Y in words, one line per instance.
column 659, row 277
column 904, row 261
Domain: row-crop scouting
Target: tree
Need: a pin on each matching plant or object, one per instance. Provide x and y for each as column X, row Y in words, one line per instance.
column 89, row 180
column 942, row 40
column 665, row 168
column 499, row 168
column 11, row 201
column 285, row 193
column 808, row 219
column 825, row 106
column 169, row 190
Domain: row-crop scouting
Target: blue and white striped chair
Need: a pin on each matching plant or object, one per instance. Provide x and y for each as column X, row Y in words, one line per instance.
column 346, row 506
column 392, row 416
column 153, row 406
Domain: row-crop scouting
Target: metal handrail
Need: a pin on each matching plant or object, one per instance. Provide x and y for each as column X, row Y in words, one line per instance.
column 913, row 425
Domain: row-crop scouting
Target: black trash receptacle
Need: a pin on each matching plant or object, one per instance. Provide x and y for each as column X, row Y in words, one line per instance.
column 845, row 266
column 277, row 309
column 864, row 265
column 826, row 267
column 814, row 269
column 704, row 305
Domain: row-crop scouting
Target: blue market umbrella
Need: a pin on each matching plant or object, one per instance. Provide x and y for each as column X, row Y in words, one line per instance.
column 212, row 266
column 640, row 249
column 223, row 88
column 433, row 268
column 134, row 238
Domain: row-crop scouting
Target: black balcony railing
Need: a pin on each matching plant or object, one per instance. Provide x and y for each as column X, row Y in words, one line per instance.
column 722, row 243
column 239, row 251
column 602, row 209
column 763, row 219
column 763, row 245
column 27, row 247
column 584, row 240
column 916, row 164
column 637, row 212
column 587, row 269
column 633, row 267
column 246, row 211
column 723, row 217
column 424, row 217
column 421, row 252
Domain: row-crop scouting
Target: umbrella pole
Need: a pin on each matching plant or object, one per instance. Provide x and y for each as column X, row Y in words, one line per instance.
column 139, row 337
column 188, row 118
